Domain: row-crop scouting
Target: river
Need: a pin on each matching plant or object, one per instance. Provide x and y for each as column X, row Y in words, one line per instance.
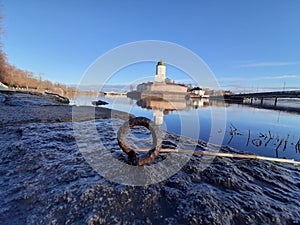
column 264, row 132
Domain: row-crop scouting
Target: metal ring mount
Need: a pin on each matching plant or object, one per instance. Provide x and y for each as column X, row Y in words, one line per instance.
column 156, row 137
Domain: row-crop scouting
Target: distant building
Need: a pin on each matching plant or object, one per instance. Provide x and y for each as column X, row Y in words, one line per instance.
column 3, row 86
column 161, row 87
column 160, row 76
column 197, row 92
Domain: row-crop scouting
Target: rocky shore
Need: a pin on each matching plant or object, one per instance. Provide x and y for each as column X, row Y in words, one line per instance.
column 45, row 179
column 21, row 108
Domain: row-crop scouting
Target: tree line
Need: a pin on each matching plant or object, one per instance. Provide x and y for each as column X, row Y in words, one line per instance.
column 16, row 78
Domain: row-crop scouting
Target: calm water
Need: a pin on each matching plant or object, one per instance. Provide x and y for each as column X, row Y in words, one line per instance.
column 263, row 132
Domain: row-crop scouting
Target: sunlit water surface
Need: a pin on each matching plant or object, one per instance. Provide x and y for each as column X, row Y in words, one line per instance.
column 260, row 131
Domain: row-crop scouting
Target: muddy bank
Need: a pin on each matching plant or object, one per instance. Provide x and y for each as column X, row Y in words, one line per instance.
column 45, row 179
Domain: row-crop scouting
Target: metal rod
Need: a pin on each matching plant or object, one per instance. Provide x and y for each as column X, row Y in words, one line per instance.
column 221, row 154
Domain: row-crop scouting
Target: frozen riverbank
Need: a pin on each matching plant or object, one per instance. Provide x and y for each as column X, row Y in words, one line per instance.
column 44, row 179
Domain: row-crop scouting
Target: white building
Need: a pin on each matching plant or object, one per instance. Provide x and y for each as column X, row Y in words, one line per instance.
column 160, row 84
column 197, row 92
column 160, row 76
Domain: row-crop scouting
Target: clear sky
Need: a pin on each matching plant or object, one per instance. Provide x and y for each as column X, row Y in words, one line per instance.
column 247, row 44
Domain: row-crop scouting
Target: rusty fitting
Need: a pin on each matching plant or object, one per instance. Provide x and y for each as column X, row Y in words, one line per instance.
column 156, row 140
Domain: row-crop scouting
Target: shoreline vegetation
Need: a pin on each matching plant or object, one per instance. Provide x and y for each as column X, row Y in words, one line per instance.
column 15, row 79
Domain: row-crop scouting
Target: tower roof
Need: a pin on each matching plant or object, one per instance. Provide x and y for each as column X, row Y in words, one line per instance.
column 161, row 63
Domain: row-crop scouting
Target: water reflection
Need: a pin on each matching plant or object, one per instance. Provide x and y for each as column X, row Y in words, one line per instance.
column 161, row 107
column 263, row 132
column 254, row 130
column 197, row 103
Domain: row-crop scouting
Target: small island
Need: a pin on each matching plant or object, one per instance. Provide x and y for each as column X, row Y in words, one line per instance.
column 161, row 88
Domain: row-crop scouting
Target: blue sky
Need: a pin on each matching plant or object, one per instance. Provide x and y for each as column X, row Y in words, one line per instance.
column 247, row 44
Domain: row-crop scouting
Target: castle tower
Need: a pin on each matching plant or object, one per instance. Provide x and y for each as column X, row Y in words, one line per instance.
column 160, row 76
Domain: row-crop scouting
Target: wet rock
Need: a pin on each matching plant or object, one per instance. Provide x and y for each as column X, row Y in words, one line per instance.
column 56, row 97
column 45, row 179
column 99, row 102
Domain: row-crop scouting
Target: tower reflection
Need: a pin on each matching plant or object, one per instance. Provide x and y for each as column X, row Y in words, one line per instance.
column 162, row 107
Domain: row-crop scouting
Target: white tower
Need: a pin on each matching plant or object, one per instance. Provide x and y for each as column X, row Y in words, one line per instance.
column 160, row 76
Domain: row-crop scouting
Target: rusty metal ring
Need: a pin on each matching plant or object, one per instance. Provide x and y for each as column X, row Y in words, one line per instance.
column 156, row 137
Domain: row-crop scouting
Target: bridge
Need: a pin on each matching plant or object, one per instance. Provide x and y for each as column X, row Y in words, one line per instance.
column 262, row 95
